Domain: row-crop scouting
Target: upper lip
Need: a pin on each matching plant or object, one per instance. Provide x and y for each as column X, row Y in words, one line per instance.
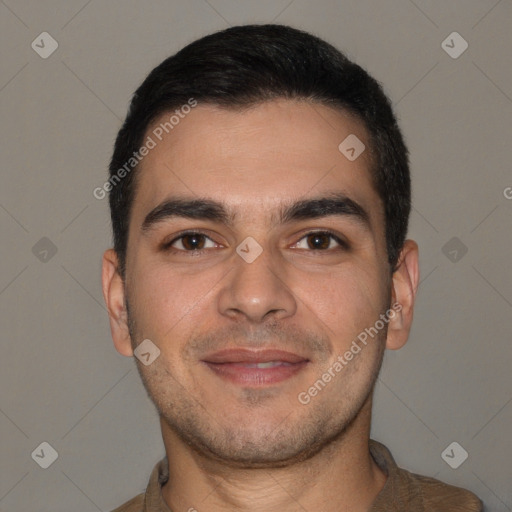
column 241, row 355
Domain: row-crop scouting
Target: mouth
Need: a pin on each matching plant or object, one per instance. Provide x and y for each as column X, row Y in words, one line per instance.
column 255, row 368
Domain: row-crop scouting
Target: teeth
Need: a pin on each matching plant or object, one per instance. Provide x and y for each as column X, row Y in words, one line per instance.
column 269, row 364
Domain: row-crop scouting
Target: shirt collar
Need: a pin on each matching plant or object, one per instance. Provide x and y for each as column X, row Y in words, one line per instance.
column 401, row 491
column 391, row 494
column 154, row 501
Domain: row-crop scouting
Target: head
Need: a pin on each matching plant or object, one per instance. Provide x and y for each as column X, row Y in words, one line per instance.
column 289, row 244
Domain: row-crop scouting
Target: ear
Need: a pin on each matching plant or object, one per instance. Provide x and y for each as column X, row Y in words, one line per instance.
column 404, row 287
column 113, row 293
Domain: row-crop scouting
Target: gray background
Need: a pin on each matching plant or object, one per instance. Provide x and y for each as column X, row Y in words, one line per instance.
column 62, row 381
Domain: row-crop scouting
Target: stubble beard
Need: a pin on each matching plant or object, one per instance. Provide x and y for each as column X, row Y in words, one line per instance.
column 295, row 436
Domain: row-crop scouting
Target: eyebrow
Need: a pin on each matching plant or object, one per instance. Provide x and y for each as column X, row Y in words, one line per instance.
column 335, row 204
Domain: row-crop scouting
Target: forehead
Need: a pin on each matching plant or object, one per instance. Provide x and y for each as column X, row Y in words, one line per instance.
column 257, row 157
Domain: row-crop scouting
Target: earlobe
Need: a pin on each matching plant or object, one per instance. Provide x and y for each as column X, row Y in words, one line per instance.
column 114, row 295
column 404, row 287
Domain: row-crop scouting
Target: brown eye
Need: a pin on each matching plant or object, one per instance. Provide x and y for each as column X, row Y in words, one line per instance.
column 193, row 242
column 320, row 241
column 190, row 242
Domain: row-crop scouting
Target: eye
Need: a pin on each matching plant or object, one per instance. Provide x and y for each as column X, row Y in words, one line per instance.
column 320, row 240
column 191, row 241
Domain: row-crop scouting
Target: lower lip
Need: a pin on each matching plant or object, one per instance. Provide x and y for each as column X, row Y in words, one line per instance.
column 246, row 375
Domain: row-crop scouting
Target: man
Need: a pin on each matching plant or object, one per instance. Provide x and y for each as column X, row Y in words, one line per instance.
column 260, row 194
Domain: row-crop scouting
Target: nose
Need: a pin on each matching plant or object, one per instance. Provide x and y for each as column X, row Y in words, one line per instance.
column 257, row 290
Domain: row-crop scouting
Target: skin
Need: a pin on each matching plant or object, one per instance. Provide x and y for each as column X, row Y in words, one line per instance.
column 235, row 447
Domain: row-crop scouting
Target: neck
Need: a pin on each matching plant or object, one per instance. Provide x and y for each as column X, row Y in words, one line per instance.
column 342, row 476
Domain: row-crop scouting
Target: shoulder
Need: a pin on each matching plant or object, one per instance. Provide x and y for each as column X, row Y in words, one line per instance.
column 406, row 491
column 136, row 504
column 438, row 496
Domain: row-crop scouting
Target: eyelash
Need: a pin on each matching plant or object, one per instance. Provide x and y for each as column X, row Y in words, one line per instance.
column 167, row 246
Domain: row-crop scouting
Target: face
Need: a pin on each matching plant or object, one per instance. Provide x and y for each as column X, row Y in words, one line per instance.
column 256, row 256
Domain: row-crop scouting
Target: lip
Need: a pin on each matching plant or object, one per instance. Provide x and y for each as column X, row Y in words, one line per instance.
column 241, row 355
column 239, row 366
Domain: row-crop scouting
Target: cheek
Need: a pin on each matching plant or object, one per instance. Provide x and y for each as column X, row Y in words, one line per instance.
column 346, row 300
column 167, row 300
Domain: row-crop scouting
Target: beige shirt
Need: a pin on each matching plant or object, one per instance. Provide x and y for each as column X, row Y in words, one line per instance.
column 402, row 492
